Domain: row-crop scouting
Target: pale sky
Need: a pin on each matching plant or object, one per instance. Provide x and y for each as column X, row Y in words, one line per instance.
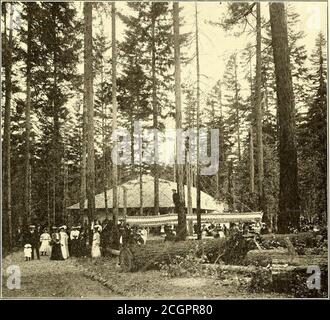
column 217, row 44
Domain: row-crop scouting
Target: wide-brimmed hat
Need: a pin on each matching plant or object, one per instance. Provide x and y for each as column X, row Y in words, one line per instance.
column 32, row 226
column 63, row 227
column 98, row 227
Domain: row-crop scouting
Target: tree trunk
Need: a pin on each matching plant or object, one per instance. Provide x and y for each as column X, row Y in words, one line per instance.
column 114, row 113
column 198, row 187
column 88, row 89
column 288, row 199
column 56, row 152
column 231, row 192
column 155, row 110
column 238, row 126
column 27, row 177
column 251, row 149
column 82, row 195
column 222, row 155
column 104, row 146
column 182, row 224
column 48, row 206
column 7, row 132
column 259, row 114
column 65, row 191
column 140, row 174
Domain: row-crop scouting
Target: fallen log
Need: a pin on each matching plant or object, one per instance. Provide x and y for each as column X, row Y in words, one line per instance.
column 303, row 260
column 231, row 250
column 282, row 257
column 230, row 268
column 265, row 257
column 148, row 256
column 309, row 238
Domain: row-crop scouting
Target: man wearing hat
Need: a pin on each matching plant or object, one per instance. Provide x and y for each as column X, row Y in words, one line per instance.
column 33, row 238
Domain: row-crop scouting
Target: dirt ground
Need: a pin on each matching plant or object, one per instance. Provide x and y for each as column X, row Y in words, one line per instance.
column 84, row 278
column 46, row 278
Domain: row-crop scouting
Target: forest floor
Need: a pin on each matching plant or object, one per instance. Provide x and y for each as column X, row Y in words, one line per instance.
column 85, row 278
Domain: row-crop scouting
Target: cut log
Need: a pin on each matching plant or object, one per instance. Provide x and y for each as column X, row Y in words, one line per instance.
column 265, row 257
column 150, row 255
column 303, row 260
column 137, row 257
column 307, row 237
column 282, row 257
column 230, row 268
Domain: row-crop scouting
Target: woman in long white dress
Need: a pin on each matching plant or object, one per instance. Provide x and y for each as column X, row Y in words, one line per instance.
column 64, row 243
column 45, row 239
column 96, row 251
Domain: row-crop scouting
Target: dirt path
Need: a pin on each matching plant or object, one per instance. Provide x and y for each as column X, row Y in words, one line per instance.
column 55, row 279
column 74, row 278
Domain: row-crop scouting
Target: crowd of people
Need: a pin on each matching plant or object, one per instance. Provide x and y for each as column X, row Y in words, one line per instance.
column 58, row 244
column 62, row 242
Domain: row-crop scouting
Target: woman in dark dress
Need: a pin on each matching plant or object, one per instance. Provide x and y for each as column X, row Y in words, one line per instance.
column 82, row 248
column 74, row 242
column 56, row 246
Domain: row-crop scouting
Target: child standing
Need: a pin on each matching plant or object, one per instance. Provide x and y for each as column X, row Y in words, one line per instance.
column 27, row 252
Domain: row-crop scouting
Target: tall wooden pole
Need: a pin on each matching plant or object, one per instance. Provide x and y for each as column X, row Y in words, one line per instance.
column 198, row 197
column 114, row 112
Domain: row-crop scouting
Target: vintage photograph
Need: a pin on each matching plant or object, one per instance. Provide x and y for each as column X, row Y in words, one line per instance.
column 164, row 150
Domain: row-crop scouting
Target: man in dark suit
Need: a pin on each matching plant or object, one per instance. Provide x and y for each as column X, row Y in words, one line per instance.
column 32, row 237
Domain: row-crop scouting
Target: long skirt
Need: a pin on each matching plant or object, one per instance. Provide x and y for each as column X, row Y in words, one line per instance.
column 96, row 252
column 65, row 250
column 74, row 249
column 56, row 252
column 45, row 247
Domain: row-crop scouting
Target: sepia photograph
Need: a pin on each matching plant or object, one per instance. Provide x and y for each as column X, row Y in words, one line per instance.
column 164, row 150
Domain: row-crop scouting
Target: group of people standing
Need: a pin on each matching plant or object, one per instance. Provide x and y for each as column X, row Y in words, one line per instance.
column 60, row 244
